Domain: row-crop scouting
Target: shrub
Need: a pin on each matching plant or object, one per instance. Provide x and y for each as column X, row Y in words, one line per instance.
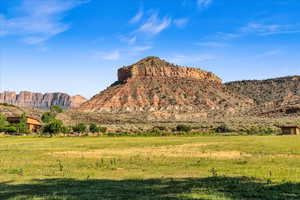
column 53, row 127
column 79, row 128
column 56, row 109
column 223, row 128
column 22, row 126
column 102, row 129
column 48, row 117
column 93, row 128
column 10, row 129
column 183, row 128
column 3, row 122
column 66, row 130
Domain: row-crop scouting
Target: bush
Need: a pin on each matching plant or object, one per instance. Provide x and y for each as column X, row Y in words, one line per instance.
column 79, row 128
column 183, row 128
column 10, row 129
column 48, row 117
column 102, row 129
column 223, row 128
column 56, row 109
column 3, row 122
column 54, row 127
column 93, row 128
column 22, row 126
column 258, row 130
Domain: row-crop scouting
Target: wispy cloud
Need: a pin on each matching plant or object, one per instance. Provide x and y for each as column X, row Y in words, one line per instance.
column 138, row 16
column 113, row 55
column 261, row 29
column 139, row 49
column 181, row 23
column 154, row 24
column 129, row 40
column 211, row 44
column 120, row 53
column 204, row 3
column 38, row 20
column 187, row 59
column 271, row 29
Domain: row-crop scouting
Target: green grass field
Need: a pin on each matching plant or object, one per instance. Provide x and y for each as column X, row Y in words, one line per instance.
column 138, row 168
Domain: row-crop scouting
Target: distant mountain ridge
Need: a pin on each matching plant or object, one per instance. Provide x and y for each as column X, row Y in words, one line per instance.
column 39, row 100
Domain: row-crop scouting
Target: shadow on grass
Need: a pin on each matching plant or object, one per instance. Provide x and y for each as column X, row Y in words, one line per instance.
column 171, row 189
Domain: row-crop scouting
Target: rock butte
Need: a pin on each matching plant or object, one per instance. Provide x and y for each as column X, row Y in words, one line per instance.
column 166, row 91
column 155, row 67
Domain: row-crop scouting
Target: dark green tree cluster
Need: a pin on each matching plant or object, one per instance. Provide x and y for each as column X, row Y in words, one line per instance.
column 7, row 127
column 53, row 125
column 183, row 128
column 93, row 128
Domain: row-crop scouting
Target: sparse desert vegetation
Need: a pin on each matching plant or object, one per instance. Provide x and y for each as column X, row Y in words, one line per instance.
column 207, row 167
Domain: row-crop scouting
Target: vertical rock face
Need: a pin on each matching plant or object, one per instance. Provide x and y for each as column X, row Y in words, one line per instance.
column 157, row 68
column 39, row 100
column 155, row 86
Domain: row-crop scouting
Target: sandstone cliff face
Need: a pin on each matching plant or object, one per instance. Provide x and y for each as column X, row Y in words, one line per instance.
column 157, row 68
column 39, row 100
column 166, row 91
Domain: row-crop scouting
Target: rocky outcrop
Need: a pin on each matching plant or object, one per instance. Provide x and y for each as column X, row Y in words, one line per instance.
column 39, row 100
column 166, row 91
column 157, row 68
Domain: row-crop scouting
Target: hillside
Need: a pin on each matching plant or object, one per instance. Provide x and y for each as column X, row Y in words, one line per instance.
column 166, row 91
column 272, row 96
column 38, row 100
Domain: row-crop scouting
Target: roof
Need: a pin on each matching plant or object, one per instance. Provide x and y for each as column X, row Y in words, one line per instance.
column 16, row 119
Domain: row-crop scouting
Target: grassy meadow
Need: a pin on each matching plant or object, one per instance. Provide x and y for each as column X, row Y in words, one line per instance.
column 138, row 168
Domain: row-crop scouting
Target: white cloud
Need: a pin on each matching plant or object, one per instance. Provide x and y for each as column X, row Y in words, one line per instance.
column 271, row 29
column 139, row 49
column 262, row 30
column 38, row 20
column 211, row 44
column 154, row 25
column 137, row 17
column 130, row 40
column 204, row 3
column 187, row 59
column 181, row 23
column 114, row 55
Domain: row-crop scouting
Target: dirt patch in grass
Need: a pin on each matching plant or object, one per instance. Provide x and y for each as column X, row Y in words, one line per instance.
column 194, row 150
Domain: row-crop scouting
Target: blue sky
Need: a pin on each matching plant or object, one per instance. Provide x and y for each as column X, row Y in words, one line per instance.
column 76, row 46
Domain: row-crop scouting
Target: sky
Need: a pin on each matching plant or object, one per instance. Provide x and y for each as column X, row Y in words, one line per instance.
column 76, row 46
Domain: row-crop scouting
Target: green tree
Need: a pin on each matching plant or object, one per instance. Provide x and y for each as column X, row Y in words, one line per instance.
column 3, row 123
column 22, row 126
column 53, row 127
column 79, row 128
column 56, row 109
column 223, row 128
column 184, row 128
column 48, row 117
column 93, row 128
column 102, row 129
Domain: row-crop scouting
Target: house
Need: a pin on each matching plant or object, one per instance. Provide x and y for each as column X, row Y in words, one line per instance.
column 33, row 124
column 290, row 130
